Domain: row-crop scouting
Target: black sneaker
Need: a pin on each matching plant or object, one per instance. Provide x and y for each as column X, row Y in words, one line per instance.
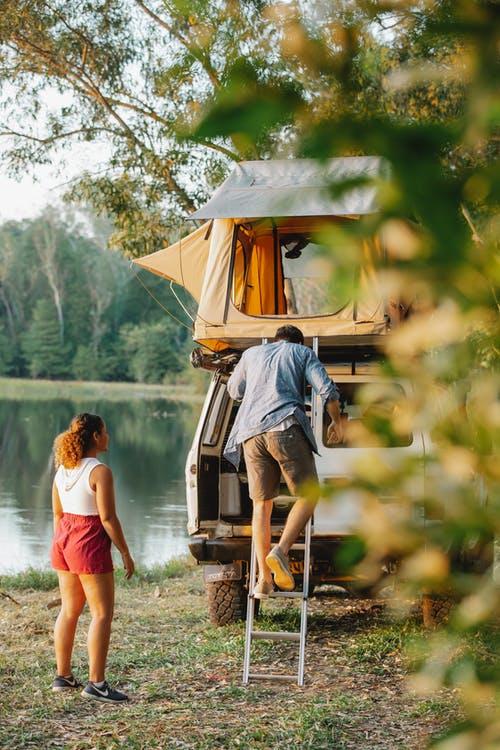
column 105, row 693
column 65, row 683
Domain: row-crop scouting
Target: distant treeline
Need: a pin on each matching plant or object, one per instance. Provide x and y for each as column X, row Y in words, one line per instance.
column 71, row 308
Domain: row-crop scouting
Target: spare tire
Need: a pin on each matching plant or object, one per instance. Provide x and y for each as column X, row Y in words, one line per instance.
column 227, row 601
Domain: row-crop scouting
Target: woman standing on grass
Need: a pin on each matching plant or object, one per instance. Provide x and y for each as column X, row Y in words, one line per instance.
column 85, row 525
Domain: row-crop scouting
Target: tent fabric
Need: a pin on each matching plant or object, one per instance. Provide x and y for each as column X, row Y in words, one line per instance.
column 184, row 262
column 298, row 187
column 203, row 263
column 258, row 284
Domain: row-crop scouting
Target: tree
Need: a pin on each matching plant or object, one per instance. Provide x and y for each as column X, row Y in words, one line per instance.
column 85, row 364
column 6, row 258
column 104, row 271
column 138, row 76
column 135, row 76
column 7, row 354
column 17, row 286
column 45, row 241
column 46, row 355
column 98, row 297
column 154, row 351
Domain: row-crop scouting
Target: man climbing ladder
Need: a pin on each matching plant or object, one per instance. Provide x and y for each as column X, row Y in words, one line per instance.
column 277, row 439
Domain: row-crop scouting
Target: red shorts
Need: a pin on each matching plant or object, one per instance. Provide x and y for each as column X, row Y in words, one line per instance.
column 81, row 545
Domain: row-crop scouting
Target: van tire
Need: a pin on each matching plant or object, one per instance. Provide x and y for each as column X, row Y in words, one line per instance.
column 227, row 601
column 436, row 609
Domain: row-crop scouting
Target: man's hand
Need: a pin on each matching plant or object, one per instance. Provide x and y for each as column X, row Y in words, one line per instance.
column 335, row 433
column 335, row 430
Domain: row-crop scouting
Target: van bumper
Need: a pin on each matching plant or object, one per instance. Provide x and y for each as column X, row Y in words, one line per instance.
column 220, row 550
column 228, row 549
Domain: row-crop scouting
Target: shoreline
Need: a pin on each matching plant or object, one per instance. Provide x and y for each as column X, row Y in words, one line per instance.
column 73, row 390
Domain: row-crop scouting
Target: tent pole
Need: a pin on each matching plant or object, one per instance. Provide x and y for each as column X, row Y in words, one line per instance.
column 275, row 251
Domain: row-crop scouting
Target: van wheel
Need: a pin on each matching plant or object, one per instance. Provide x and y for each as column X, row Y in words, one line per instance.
column 227, row 601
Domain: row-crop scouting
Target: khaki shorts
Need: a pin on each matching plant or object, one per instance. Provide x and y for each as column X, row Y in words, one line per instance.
column 272, row 454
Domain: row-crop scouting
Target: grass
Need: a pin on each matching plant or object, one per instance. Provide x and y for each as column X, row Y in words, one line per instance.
column 184, row 676
column 38, row 579
column 32, row 578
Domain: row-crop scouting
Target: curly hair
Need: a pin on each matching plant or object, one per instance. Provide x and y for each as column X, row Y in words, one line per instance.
column 71, row 445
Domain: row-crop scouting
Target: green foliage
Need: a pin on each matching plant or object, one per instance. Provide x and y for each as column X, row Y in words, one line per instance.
column 177, row 567
column 33, row 578
column 271, row 104
column 415, row 82
column 7, row 354
column 153, row 350
column 85, row 365
column 86, row 297
column 101, row 58
column 424, row 97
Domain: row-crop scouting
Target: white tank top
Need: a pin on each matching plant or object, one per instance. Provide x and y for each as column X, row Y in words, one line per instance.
column 75, row 492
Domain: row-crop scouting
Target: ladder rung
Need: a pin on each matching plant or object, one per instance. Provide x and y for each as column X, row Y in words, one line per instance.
column 271, row 676
column 298, row 545
column 287, row 595
column 275, row 635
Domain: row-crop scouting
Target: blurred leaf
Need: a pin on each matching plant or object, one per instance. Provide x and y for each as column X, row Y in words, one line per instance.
column 248, row 105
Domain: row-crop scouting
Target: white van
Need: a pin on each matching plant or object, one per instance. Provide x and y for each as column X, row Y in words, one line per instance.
column 288, row 241
column 220, row 510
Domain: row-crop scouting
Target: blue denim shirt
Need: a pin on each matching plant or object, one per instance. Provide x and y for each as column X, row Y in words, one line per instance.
column 269, row 380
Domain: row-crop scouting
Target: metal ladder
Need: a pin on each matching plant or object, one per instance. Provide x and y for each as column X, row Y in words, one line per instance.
column 299, row 636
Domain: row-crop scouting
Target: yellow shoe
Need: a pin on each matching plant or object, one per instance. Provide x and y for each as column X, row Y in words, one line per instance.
column 278, row 562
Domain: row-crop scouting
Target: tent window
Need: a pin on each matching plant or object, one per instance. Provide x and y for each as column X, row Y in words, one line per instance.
column 306, row 271
column 284, row 271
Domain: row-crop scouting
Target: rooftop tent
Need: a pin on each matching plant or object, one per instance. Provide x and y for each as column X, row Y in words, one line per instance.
column 251, row 274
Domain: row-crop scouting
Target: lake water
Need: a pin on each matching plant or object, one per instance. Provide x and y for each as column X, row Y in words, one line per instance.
column 149, row 440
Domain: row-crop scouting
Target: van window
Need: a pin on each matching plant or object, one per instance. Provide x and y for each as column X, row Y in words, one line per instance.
column 373, row 415
column 213, row 425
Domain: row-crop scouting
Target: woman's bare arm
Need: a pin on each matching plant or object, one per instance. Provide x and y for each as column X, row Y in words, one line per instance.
column 56, row 505
column 102, row 478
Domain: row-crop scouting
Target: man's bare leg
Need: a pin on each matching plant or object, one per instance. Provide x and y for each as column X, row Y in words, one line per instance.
column 261, row 531
column 299, row 515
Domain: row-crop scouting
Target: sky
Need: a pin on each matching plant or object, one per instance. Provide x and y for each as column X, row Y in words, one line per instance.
column 27, row 198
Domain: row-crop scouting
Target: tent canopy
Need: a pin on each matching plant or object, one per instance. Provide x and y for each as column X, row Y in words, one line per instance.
column 299, row 187
column 183, row 262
